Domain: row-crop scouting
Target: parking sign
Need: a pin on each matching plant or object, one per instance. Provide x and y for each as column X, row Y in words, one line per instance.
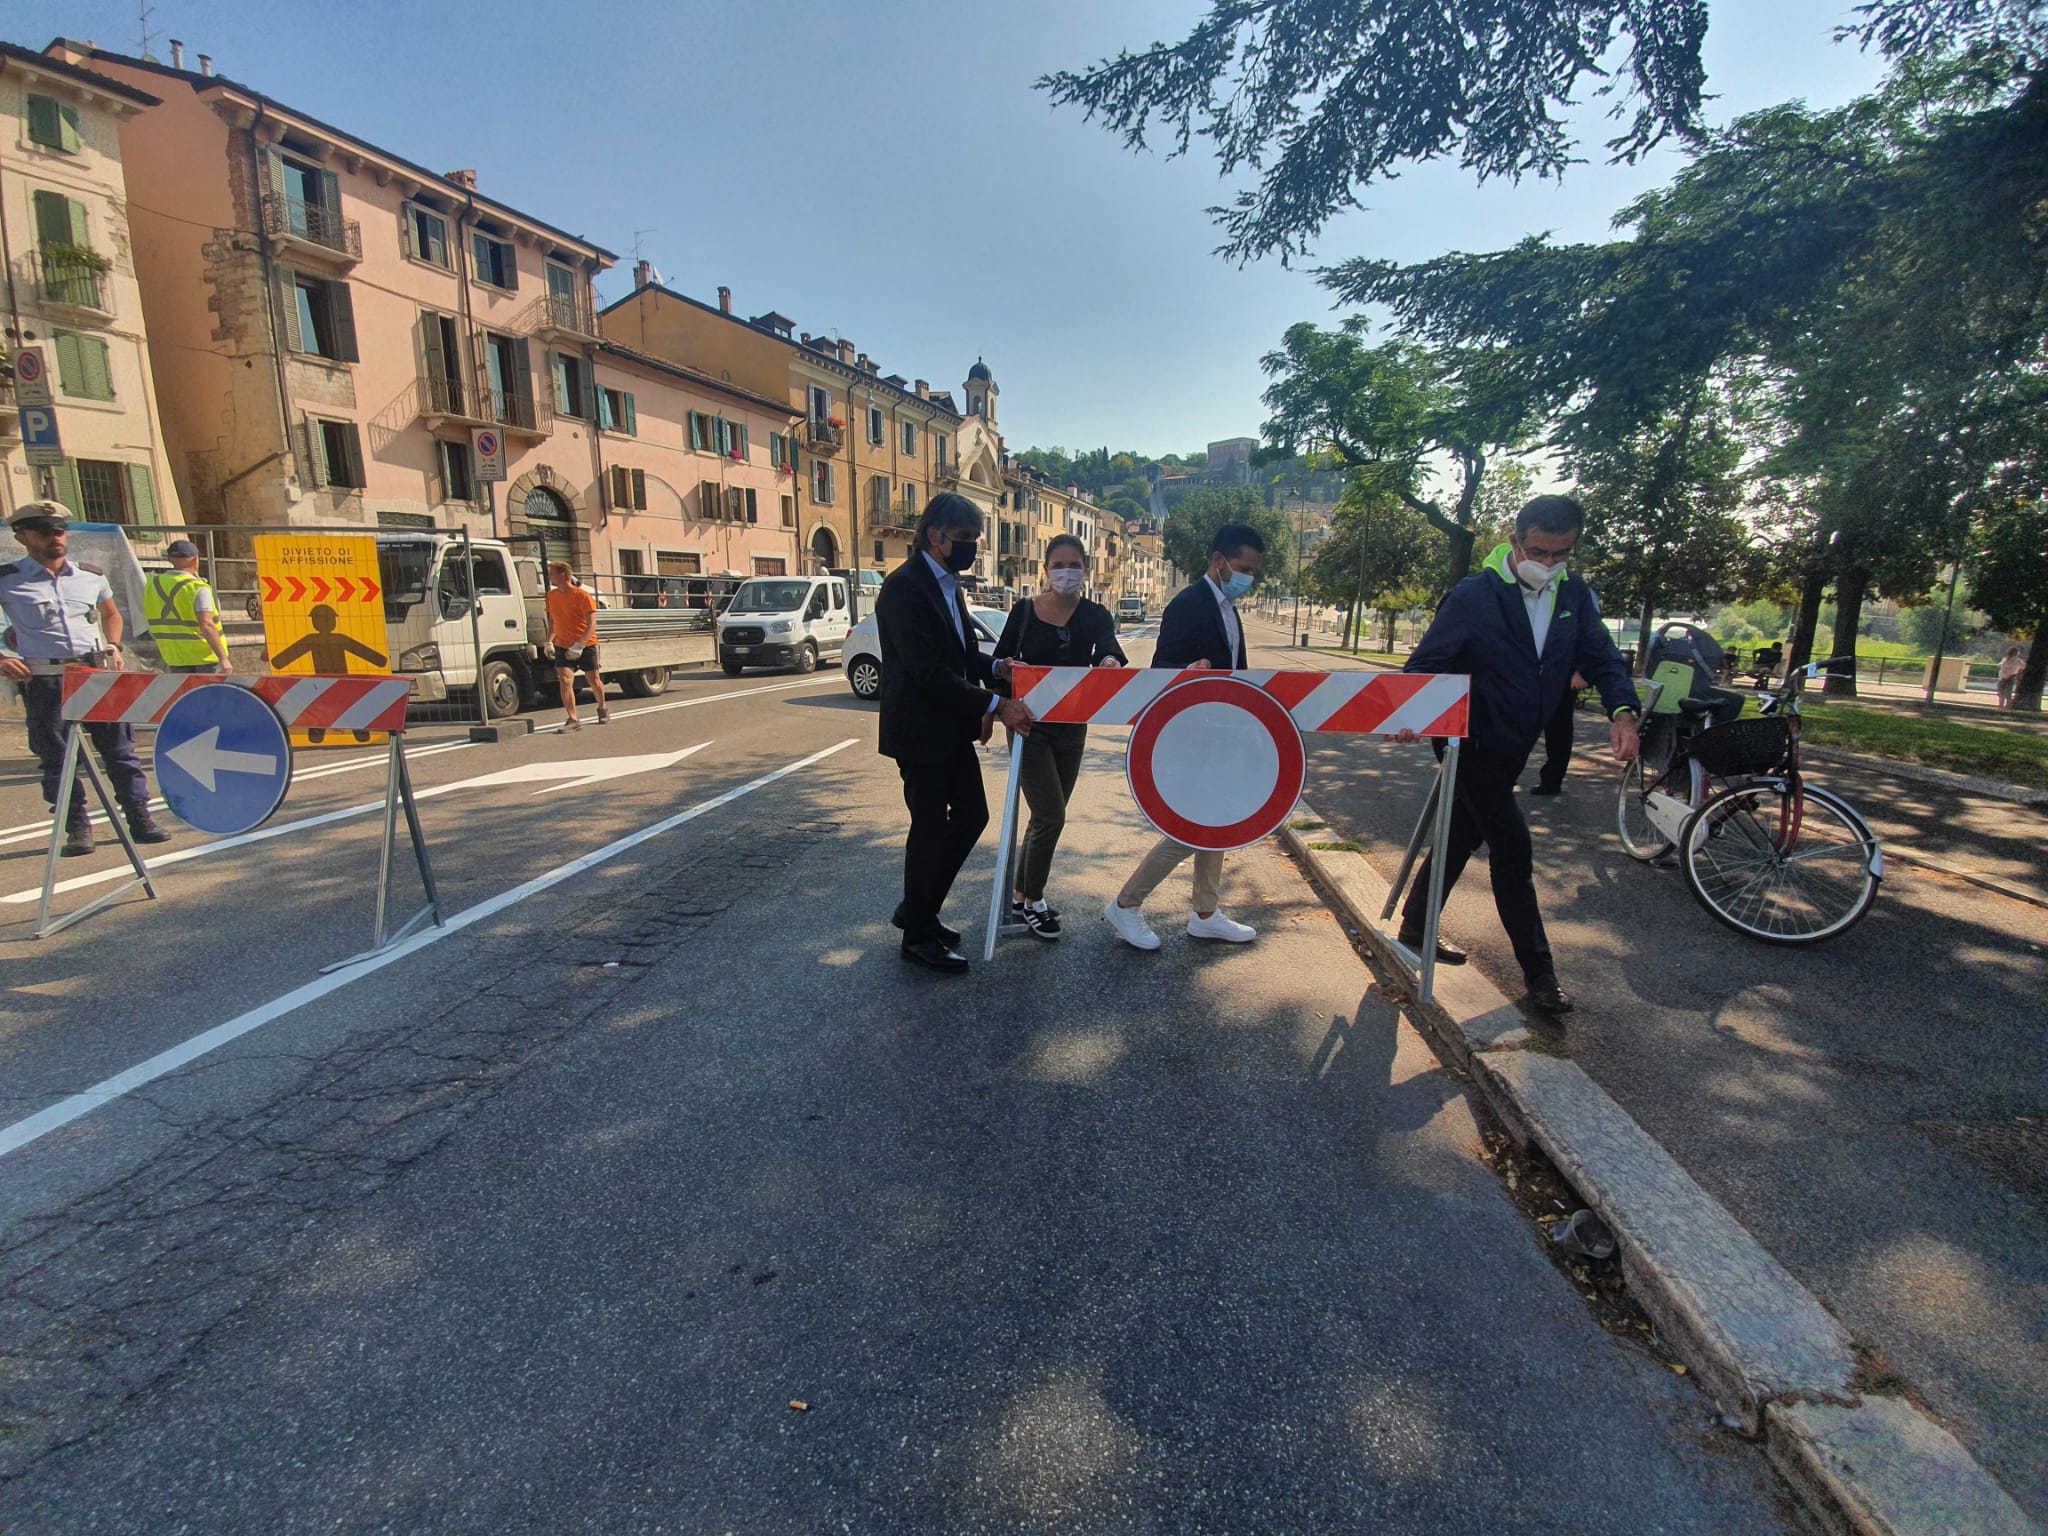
column 39, row 436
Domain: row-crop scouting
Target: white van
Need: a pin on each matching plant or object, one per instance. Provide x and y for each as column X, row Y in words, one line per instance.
column 784, row 621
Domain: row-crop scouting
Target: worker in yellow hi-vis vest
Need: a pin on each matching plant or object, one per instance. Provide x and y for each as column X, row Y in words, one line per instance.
column 183, row 616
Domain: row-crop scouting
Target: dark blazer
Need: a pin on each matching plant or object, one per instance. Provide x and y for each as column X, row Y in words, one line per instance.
column 1191, row 629
column 931, row 705
column 1482, row 629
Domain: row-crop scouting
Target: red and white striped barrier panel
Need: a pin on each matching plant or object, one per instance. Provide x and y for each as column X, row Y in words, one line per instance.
column 1367, row 703
column 304, row 702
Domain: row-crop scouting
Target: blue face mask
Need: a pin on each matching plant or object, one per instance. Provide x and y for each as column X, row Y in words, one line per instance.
column 1236, row 584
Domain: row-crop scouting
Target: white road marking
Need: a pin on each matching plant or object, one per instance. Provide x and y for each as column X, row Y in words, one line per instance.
column 18, row 1135
column 589, row 771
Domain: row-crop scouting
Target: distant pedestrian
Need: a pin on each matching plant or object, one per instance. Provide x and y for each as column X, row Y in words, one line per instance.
column 58, row 614
column 572, row 631
column 182, row 614
column 1557, row 741
column 2009, row 671
column 1057, row 628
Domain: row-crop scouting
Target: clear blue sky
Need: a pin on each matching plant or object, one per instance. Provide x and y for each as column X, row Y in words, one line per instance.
column 884, row 171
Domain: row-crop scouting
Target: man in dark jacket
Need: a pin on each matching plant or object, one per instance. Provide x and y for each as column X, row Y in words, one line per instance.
column 938, row 701
column 1200, row 629
column 1521, row 627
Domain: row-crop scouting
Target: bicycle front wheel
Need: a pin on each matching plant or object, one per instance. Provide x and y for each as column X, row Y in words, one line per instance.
column 1744, row 869
column 1640, row 838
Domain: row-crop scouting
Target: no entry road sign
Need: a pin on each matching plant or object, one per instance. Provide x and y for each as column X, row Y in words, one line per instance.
column 223, row 759
column 1216, row 763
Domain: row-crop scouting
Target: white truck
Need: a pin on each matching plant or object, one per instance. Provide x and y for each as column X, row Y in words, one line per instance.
column 1130, row 610
column 427, row 602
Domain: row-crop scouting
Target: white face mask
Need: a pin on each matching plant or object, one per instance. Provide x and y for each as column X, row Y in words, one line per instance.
column 1066, row 579
column 1535, row 574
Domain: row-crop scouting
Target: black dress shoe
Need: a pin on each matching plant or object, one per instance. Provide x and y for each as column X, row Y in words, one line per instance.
column 1546, row 996
column 937, row 955
column 950, row 936
column 1447, row 953
column 1547, row 789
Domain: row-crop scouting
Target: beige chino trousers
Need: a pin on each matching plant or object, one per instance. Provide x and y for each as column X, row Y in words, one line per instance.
column 1167, row 856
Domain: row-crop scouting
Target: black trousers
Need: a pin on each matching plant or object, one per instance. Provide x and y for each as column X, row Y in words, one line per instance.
column 1484, row 811
column 1557, row 741
column 43, row 700
column 948, row 809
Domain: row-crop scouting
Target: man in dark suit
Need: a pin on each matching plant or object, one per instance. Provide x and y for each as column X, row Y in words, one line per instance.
column 938, row 701
column 1520, row 628
column 1200, row 629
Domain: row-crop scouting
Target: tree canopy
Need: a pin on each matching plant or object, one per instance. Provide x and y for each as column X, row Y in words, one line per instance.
column 1195, row 518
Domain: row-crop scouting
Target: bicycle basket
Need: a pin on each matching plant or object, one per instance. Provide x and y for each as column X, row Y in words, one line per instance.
column 1742, row 746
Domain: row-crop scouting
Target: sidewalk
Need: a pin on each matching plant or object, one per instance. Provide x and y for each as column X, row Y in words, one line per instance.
column 789, row 1237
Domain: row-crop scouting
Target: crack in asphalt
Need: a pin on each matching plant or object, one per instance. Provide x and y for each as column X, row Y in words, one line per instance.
column 106, row 1299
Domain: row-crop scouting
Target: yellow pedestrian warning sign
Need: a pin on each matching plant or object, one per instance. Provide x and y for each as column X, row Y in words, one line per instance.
column 323, row 611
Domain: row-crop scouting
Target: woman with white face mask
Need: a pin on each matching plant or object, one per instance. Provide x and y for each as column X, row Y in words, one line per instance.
column 1057, row 628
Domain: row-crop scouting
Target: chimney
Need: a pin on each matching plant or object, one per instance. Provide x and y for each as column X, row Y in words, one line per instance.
column 206, row 63
column 643, row 275
column 846, row 353
column 177, row 54
column 804, row 337
column 724, row 299
column 864, row 364
column 924, row 389
column 463, row 179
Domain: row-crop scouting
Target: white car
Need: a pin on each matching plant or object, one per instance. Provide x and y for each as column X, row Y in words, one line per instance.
column 864, row 649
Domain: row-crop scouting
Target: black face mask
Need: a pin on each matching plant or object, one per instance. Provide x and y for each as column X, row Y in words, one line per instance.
column 961, row 555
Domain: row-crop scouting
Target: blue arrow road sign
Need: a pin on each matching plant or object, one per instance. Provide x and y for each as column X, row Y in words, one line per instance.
column 223, row 759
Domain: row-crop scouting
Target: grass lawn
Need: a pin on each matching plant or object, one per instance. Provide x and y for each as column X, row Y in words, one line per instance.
column 2016, row 757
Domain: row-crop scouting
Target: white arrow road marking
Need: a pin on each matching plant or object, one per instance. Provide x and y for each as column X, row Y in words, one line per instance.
column 18, row 1135
column 203, row 757
column 589, row 770
column 585, row 771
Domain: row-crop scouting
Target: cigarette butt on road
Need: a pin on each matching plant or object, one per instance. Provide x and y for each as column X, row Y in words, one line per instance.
column 799, row 1405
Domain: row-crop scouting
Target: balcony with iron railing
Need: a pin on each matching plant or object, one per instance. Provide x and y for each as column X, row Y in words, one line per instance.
column 72, row 280
column 516, row 411
column 559, row 314
column 892, row 518
column 820, row 436
column 450, row 399
column 313, row 230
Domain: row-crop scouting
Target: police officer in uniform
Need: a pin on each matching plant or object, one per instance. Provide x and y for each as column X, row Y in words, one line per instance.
column 182, row 614
column 58, row 614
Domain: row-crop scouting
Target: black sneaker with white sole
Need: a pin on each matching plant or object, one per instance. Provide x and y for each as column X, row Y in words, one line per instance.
column 1043, row 922
column 1017, row 909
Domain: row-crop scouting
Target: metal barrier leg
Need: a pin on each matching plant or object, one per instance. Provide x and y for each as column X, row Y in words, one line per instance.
column 1447, row 783
column 1414, row 845
column 398, row 797
column 1006, row 839
column 75, row 758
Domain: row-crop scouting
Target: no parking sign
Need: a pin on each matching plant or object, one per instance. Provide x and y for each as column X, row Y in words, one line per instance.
column 488, row 446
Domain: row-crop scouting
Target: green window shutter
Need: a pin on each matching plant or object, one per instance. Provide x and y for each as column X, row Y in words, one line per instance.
column 560, row 369
column 277, row 171
column 316, row 444
column 53, row 218
column 45, row 127
column 81, row 231
column 520, row 385
column 344, row 315
column 775, row 450
column 696, row 433
column 433, row 356
column 288, row 309
column 67, row 127
column 68, row 366
column 753, row 511
column 142, row 498
column 437, row 241
column 67, row 487
column 93, row 375
column 351, row 454
column 330, row 193
column 640, row 489
column 604, row 411
column 618, row 479
column 632, row 421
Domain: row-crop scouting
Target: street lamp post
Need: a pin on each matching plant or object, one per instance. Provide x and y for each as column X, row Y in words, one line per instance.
column 1300, row 549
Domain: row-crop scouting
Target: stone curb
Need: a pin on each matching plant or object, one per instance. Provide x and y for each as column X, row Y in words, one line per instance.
column 1773, row 1358
column 1898, row 768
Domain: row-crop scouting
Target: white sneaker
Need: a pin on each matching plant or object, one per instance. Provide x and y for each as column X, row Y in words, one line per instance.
column 1217, row 926
column 1130, row 925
